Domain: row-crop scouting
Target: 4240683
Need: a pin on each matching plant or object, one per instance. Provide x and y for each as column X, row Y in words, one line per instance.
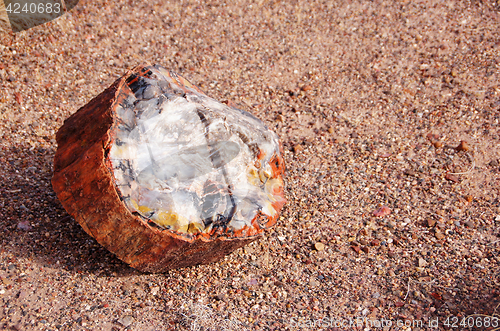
column 33, row 8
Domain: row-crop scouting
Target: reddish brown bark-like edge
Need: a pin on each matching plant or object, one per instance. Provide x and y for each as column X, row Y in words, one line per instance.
column 85, row 187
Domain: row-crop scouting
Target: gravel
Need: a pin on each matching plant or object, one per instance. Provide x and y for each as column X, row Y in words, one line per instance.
column 387, row 104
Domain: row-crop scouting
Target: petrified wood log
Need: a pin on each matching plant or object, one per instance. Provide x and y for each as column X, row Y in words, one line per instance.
column 164, row 176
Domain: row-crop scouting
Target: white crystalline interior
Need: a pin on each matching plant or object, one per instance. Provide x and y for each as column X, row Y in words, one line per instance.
column 187, row 162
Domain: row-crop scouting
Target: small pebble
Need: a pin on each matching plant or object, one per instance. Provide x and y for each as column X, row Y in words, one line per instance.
column 252, row 282
column 357, row 249
column 126, row 320
column 439, row 235
column 438, row 144
column 24, row 225
column 306, row 88
column 297, row 148
column 382, row 211
column 432, row 136
column 155, row 290
column 319, row 246
column 19, row 98
column 409, row 172
column 313, row 283
column 452, row 178
column 463, row 146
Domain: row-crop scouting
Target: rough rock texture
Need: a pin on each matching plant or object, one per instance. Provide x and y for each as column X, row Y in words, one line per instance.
column 84, row 180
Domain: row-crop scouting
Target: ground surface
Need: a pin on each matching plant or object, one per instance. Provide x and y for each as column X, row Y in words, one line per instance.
column 370, row 100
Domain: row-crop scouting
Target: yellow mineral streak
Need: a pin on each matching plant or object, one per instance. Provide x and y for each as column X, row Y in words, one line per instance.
column 195, row 228
column 167, row 219
column 141, row 209
column 268, row 208
column 253, row 177
column 162, row 218
column 170, row 220
column 176, row 222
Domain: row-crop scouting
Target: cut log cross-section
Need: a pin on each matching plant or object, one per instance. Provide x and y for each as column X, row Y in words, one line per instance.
column 164, row 176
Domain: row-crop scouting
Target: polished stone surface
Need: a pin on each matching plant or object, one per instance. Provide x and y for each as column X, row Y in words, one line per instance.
column 191, row 164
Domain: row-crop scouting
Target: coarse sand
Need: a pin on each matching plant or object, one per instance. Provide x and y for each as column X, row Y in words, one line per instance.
column 389, row 116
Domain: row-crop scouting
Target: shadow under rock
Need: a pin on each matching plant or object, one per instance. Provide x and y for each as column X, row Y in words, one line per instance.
column 36, row 226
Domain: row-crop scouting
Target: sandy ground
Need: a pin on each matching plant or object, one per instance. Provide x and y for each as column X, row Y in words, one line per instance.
column 370, row 100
